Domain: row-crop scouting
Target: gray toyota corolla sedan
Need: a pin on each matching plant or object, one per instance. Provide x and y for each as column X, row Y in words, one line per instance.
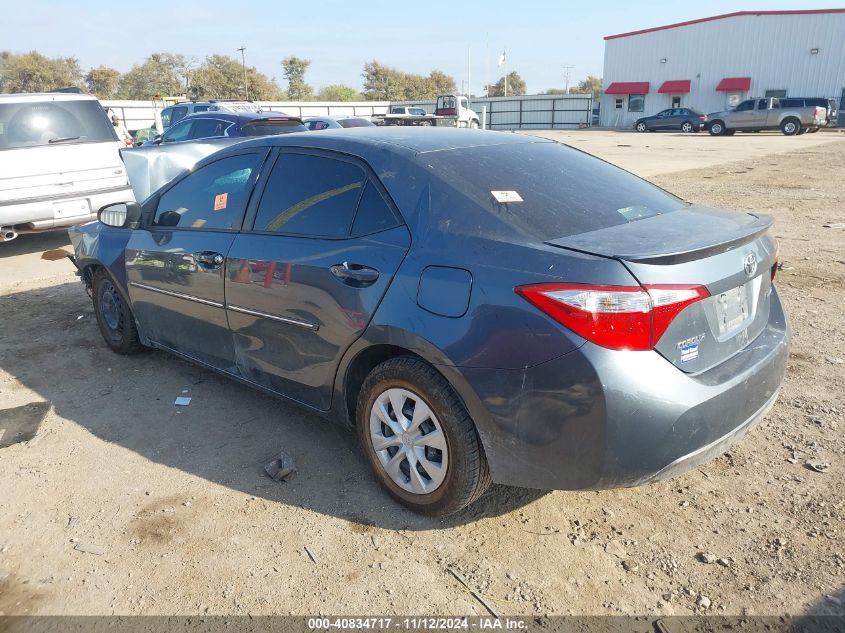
column 480, row 306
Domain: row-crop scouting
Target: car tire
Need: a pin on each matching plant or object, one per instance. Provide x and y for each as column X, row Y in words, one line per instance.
column 790, row 126
column 425, row 123
column 687, row 127
column 114, row 317
column 411, row 383
column 473, row 125
column 716, row 128
column 641, row 127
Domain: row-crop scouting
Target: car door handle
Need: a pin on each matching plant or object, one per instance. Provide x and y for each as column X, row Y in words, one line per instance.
column 209, row 260
column 356, row 274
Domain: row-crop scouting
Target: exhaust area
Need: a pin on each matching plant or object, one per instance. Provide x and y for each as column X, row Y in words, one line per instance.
column 7, row 234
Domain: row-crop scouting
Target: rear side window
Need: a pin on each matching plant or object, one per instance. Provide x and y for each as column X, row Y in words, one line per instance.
column 53, row 123
column 310, row 195
column 541, row 191
column 269, row 127
column 373, row 214
column 213, row 197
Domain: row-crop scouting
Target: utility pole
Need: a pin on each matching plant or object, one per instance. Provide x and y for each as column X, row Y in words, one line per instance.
column 566, row 70
column 243, row 63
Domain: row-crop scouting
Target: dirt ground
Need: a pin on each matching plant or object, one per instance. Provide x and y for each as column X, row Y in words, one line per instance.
column 126, row 504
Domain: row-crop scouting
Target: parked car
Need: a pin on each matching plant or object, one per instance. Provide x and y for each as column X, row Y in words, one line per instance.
column 230, row 124
column 502, row 308
column 756, row 115
column 59, row 162
column 175, row 113
column 317, row 123
column 829, row 105
column 682, row 119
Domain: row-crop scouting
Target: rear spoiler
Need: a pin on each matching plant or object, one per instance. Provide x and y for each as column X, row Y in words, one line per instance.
column 671, row 238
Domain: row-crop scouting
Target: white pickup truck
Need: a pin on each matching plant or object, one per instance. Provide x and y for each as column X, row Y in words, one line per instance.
column 450, row 111
column 755, row 115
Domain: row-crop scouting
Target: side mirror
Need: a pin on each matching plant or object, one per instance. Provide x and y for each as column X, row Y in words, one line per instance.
column 157, row 140
column 121, row 215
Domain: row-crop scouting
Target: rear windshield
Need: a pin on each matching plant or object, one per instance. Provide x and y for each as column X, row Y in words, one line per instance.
column 541, row 191
column 53, row 123
column 355, row 123
column 267, row 128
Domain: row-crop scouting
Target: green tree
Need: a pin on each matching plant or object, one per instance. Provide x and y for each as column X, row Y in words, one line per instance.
column 338, row 92
column 163, row 74
column 103, row 82
column 222, row 77
column 33, row 72
column 439, row 83
column 515, row 83
column 591, row 85
column 383, row 83
column 294, row 69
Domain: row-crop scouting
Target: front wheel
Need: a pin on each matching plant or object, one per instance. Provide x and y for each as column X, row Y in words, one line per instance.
column 717, row 128
column 114, row 317
column 790, row 127
column 687, row 127
column 641, row 127
column 419, row 438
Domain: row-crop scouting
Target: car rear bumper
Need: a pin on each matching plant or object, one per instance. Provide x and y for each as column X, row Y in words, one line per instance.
column 41, row 213
column 597, row 418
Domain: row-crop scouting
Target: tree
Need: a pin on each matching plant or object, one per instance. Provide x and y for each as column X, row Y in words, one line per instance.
column 103, row 82
column 591, row 85
column 516, row 86
column 441, row 84
column 383, row 83
column 222, row 77
column 33, row 72
column 294, row 69
column 163, row 74
column 338, row 92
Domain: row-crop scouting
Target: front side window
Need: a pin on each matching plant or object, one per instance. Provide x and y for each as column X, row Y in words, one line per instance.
column 636, row 103
column 213, row 197
column 179, row 132
column 52, row 123
column 208, row 128
column 310, row 195
column 745, row 106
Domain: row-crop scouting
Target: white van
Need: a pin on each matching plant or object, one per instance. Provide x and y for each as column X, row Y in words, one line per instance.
column 59, row 162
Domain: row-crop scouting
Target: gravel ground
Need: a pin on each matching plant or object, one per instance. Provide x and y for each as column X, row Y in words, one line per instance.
column 125, row 504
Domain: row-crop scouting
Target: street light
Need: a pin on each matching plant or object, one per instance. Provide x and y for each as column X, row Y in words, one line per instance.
column 243, row 63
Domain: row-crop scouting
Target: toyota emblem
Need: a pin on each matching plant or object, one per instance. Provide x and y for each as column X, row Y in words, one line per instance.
column 750, row 264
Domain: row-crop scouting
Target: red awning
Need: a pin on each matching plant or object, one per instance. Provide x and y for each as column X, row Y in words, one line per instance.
column 734, row 84
column 677, row 87
column 627, row 88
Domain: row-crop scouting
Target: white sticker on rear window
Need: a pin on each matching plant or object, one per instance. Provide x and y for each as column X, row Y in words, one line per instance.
column 506, row 196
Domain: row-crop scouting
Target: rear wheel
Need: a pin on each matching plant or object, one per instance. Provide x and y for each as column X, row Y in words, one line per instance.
column 425, row 123
column 641, row 127
column 717, row 128
column 687, row 127
column 473, row 124
column 790, row 126
column 114, row 317
column 419, row 438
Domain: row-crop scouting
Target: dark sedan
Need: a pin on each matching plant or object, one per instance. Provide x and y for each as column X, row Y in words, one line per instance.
column 215, row 124
column 479, row 307
column 680, row 119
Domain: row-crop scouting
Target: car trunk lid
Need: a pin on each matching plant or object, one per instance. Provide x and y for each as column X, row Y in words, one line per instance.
column 727, row 252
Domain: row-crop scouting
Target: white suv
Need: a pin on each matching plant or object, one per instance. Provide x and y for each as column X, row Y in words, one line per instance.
column 59, row 162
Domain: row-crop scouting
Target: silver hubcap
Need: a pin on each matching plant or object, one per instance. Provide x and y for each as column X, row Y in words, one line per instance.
column 110, row 307
column 409, row 441
column 790, row 128
column 717, row 129
column 687, row 127
column 641, row 127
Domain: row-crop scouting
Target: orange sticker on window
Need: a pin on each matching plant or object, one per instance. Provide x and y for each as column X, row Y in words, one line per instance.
column 220, row 201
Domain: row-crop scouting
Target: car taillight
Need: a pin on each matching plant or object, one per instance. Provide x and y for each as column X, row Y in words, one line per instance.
column 616, row 317
column 777, row 257
column 702, row 117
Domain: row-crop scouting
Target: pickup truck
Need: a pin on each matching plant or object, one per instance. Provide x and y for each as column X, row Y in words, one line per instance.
column 450, row 111
column 755, row 115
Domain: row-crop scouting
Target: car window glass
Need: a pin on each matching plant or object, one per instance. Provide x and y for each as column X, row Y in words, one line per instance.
column 762, row 104
column 179, row 113
column 213, row 197
column 201, row 108
column 310, row 195
column 46, row 123
column 179, row 132
column 373, row 214
column 166, row 117
column 206, row 128
column 745, row 105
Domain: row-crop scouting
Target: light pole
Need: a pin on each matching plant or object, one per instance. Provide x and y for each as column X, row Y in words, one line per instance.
column 566, row 70
column 243, row 63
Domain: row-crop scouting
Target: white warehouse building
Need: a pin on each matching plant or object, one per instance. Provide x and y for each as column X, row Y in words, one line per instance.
column 713, row 63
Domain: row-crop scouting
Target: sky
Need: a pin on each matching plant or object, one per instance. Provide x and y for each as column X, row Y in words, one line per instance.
column 460, row 37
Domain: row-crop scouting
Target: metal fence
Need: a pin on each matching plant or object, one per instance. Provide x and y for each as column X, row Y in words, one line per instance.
column 538, row 112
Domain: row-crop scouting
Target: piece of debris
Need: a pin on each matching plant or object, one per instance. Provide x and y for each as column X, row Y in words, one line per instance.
column 834, row 225
column 474, row 593
column 55, row 254
column 834, row 361
column 21, row 424
column 704, row 602
column 630, row 565
column 182, row 401
column 706, row 557
column 724, row 562
column 819, row 467
column 281, row 467
column 310, row 555
column 614, row 548
column 88, row 548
